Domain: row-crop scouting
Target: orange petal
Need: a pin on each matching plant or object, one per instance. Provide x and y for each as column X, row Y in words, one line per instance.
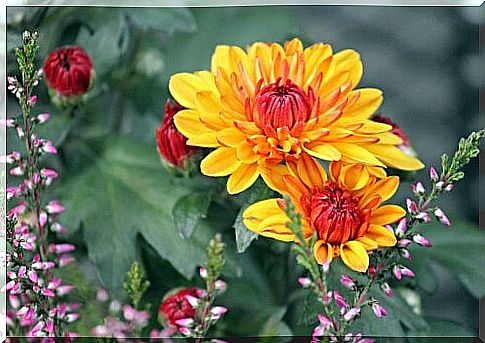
column 382, row 236
column 323, row 252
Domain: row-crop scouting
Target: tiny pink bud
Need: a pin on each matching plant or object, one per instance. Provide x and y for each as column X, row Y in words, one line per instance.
column 439, row 185
column 305, row 282
column 61, row 248
column 184, row 322
column 192, row 300
column 401, row 227
column 66, row 259
column 33, row 276
column 412, row 207
column 220, row 285
column 48, row 292
column 324, row 321
column 58, row 227
column 42, row 219
column 418, row 188
column 63, row 290
column 347, row 281
column 397, row 272
column 71, row 317
column 43, row 265
column 43, row 117
column 327, row 298
column 440, row 215
column 405, row 254
column 218, row 310
column 32, row 100
column 433, row 174
column 17, row 171
column 352, row 313
column 326, row 266
column 372, row 271
column 11, row 79
column 184, row 331
column 203, row 272
column 318, row 331
column 54, row 207
column 48, row 147
column 102, row 295
column 20, row 132
column 407, row 272
column 7, row 122
column 386, row 289
column 339, row 300
column 449, row 188
column 424, row 216
column 423, row 241
column 403, row 243
column 379, row 311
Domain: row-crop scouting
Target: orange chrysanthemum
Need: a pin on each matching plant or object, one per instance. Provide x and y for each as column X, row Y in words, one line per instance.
column 344, row 210
column 261, row 106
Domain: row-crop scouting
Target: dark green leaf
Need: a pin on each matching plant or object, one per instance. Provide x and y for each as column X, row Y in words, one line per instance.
column 163, row 19
column 124, row 193
column 442, row 329
column 244, row 236
column 189, row 210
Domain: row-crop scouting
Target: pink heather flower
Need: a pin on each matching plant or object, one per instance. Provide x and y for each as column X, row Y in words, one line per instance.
column 7, row 122
column 33, row 276
column 184, row 331
column 220, row 285
column 71, row 317
column 16, row 211
column 17, row 171
column 193, row 301
column 372, row 271
column 49, row 326
column 58, row 227
column 43, row 265
column 424, row 216
column 423, row 241
column 347, row 281
column 203, row 272
column 411, row 205
column 325, row 322
column 339, row 300
column 403, row 243
column 48, row 293
column 433, row 174
column 407, row 272
column 64, row 290
column 43, row 117
column 439, row 185
column 36, row 178
column 386, row 289
column 401, row 228
column 42, row 219
column 418, row 188
column 379, row 311
column 327, row 298
column 449, row 188
column 326, row 266
column 48, row 147
column 10, row 158
column 184, row 322
column 352, row 313
column 54, row 207
column 318, row 331
column 61, row 248
column 102, row 295
column 304, row 282
column 11, row 80
column 12, row 192
column 218, row 310
column 32, row 100
column 397, row 272
column 20, row 132
column 440, row 215
column 405, row 254
column 66, row 259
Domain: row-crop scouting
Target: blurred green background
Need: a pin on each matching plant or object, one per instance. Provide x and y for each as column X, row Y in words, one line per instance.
column 424, row 59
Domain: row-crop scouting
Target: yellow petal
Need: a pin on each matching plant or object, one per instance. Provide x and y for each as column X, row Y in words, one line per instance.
column 220, row 162
column 209, row 107
column 255, row 213
column 368, row 243
column 355, row 256
column 188, row 123
column 275, row 227
column 386, row 188
column 242, row 178
column 355, row 176
column 323, row 252
column 245, row 152
column 371, row 126
column 382, row 236
column 230, row 136
column 387, row 214
column 394, row 157
column 388, row 138
column 378, row 172
column 357, row 153
column 273, row 176
column 220, row 59
column 367, row 103
column 184, row 87
column 308, row 170
column 324, row 151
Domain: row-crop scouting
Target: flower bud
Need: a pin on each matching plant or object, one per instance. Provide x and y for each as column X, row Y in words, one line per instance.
column 423, row 241
column 440, row 215
column 405, row 254
column 352, row 313
column 220, row 285
column 68, row 71
column 339, row 300
column 405, row 146
column 171, row 144
column 423, row 216
column 102, row 295
column 386, row 289
column 327, row 298
column 401, row 228
column 433, row 174
column 203, row 272
column 347, row 281
column 379, row 311
column 305, row 282
column 61, row 248
column 43, row 117
column 184, row 322
column 7, row 122
column 54, row 207
column 418, row 188
column 176, row 306
column 412, row 207
column 449, row 188
column 31, row 101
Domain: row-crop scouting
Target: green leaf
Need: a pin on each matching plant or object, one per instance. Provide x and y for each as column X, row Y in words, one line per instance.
column 459, row 249
column 442, row 329
column 164, row 19
column 244, row 236
column 189, row 210
column 125, row 193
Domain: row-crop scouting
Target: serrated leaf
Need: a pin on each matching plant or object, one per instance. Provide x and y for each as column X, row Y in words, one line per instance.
column 189, row 210
column 125, row 193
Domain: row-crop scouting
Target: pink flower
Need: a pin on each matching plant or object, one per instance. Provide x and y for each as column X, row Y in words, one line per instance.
column 54, row 207
column 339, row 300
column 102, row 295
column 379, row 311
column 347, row 281
column 48, row 147
column 64, row 290
column 412, row 207
column 386, row 289
column 184, row 322
column 433, row 174
column 418, row 188
column 352, row 313
column 61, row 248
column 423, row 241
column 43, row 117
column 304, row 282
column 401, row 228
column 440, row 215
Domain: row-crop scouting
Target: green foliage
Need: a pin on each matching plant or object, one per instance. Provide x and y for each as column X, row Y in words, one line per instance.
column 136, row 284
column 189, row 210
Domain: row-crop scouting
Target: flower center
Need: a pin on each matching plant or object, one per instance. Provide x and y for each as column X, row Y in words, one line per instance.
column 65, row 62
column 280, row 105
column 335, row 214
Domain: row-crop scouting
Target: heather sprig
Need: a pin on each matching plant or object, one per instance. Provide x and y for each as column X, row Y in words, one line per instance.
column 136, row 284
column 35, row 293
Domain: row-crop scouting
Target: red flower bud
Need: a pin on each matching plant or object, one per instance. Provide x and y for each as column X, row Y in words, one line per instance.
column 398, row 131
column 175, row 306
column 68, row 71
column 171, row 143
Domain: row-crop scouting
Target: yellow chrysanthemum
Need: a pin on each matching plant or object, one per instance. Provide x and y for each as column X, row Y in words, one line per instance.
column 261, row 106
column 345, row 210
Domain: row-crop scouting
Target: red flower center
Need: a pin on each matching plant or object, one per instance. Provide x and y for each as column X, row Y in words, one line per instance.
column 176, row 307
column 280, row 105
column 334, row 212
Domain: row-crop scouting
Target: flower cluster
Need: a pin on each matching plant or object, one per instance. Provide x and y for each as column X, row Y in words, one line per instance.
column 190, row 311
column 34, row 292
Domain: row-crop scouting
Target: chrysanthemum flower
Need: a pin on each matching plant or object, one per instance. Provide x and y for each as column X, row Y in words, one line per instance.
column 261, row 106
column 345, row 210
column 175, row 306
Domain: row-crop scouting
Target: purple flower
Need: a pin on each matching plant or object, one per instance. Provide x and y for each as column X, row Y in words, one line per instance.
column 433, row 175
column 339, row 300
column 421, row 240
column 379, row 311
column 347, row 281
column 54, row 207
